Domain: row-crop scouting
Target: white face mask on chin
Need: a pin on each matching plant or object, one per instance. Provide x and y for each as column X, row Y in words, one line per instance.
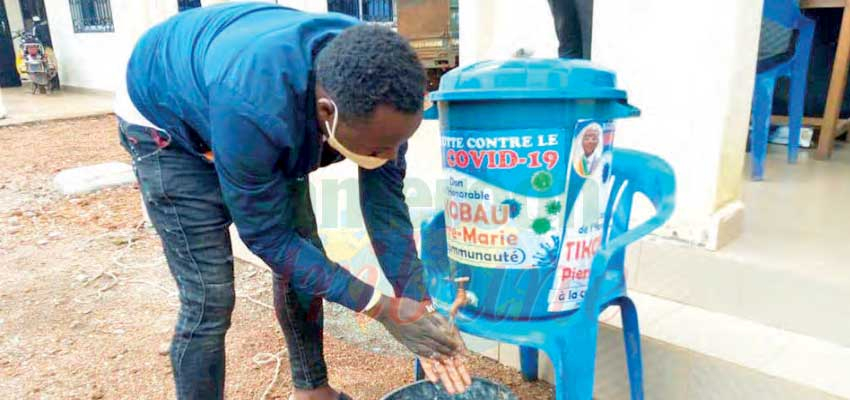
column 366, row 162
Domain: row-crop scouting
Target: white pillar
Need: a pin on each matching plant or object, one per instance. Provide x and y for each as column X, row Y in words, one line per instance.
column 14, row 15
column 493, row 29
column 690, row 66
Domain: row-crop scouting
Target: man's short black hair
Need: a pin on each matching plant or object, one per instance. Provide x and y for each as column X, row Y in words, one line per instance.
column 368, row 65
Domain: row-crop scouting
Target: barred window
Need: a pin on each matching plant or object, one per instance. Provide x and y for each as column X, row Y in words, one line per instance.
column 378, row 10
column 91, row 16
column 366, row 10
column 349, row 7
column 183, row 5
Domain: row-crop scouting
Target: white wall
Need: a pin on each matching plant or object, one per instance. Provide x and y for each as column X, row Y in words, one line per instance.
column 98, row 60
column 13, row 13
column 493, row 29
column 16, row 20
column 689, row 65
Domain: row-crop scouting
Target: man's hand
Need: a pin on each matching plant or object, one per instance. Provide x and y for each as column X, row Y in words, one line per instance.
column 428, row 335
column 424, row 332
column 451, row 371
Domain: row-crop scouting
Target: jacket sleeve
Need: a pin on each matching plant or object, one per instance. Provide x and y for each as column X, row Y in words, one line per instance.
column 248, row 145
column 388, row 223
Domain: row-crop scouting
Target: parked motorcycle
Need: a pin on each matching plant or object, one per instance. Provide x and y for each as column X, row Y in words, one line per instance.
column 35, row 61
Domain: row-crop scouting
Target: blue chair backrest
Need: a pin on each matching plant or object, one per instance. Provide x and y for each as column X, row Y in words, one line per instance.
column 635, row 173
column 781, row 18
column 784, row 12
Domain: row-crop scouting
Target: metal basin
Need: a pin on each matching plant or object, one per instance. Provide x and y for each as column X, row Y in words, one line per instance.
column 481, row 389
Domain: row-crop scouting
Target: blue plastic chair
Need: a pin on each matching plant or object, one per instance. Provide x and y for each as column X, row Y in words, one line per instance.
column 570, row 339
column 785, row 13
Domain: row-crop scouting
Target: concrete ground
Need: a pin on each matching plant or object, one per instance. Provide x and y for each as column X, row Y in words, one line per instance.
column 22, row 106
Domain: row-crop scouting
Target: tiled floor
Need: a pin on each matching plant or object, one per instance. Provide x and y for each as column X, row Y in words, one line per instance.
column 22, row 106
column 797, row 220
column 789, row 269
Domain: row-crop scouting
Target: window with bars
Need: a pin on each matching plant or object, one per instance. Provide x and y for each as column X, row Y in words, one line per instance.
column 91, row 16
column 183, row 5
column 378, row 10
column 366, row 10
column 349, row 7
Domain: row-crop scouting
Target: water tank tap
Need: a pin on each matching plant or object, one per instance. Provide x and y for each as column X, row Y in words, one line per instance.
column 461, row 298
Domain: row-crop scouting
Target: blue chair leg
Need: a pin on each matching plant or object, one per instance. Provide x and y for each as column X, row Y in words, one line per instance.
column 631, row 336
column 797, row 95
column 762, row 106
column 528, row 363
column 573, row 361
column 571, row 382
column 418, row 372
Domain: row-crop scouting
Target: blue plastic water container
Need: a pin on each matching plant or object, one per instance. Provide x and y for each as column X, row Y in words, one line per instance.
column 520, row 140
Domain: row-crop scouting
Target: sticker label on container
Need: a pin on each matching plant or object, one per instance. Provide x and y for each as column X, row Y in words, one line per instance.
column 507, row 204
column 503, row 195
column 591, row 161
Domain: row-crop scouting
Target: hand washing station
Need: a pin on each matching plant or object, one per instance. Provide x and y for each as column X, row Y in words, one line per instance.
column 536, row 220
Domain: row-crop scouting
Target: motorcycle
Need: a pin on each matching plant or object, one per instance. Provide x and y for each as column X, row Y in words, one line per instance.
column 35, row 61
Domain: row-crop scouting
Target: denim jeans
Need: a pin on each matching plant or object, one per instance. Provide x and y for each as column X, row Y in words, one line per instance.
column 182, row 196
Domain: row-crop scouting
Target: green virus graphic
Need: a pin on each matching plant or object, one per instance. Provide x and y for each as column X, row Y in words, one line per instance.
column 553, row 207
column 541, row 225
column 541, row 181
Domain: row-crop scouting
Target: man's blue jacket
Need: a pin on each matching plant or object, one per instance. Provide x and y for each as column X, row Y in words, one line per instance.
column 237, row 79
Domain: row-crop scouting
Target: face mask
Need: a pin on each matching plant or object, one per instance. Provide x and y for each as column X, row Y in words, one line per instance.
column 366, row 162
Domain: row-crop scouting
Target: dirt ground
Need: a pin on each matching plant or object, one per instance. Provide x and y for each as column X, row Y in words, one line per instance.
column 87, row 306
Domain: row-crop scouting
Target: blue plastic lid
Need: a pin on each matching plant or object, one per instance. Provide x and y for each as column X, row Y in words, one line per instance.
column 529, row 78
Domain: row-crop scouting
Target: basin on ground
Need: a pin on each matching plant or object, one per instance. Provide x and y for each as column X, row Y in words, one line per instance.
column 481, row 389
